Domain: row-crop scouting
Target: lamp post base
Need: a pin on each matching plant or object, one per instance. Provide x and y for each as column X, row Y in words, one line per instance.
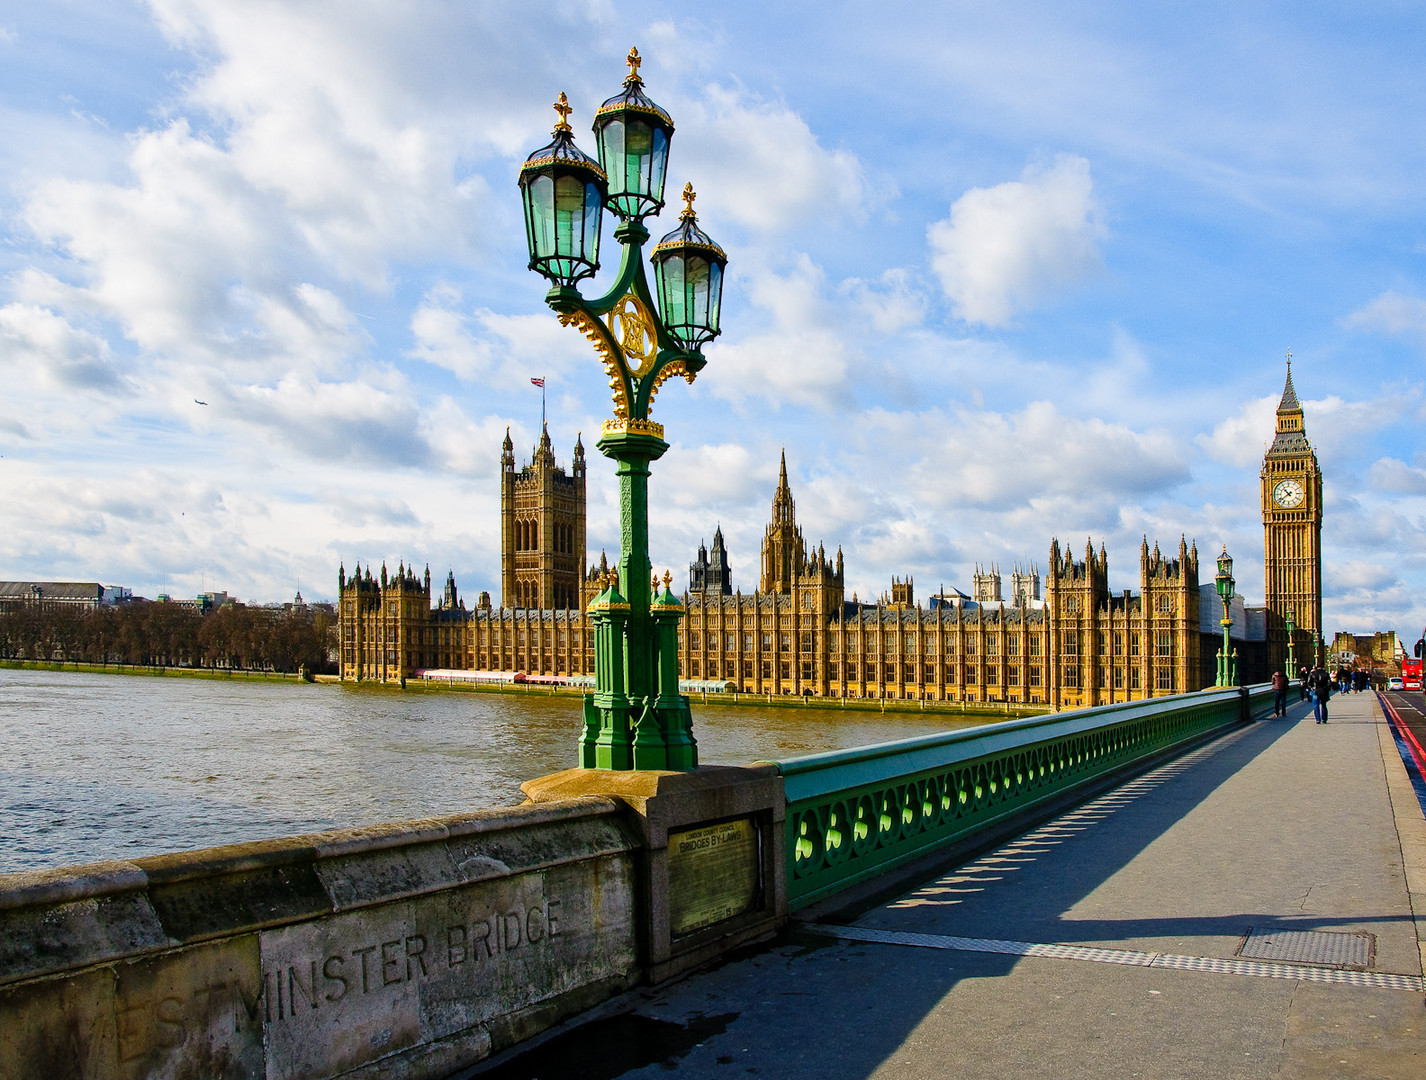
column 636, row 718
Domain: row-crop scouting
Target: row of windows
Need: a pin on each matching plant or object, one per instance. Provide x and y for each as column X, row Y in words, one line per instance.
column 1070, row 644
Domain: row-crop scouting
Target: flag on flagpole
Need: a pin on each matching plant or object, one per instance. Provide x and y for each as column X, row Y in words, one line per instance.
column 538, row 382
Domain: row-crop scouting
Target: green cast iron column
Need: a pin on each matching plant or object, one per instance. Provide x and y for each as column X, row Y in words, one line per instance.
column 633, row 453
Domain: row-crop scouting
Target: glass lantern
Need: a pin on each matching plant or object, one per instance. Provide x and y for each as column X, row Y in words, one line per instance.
column 563, row 190
column 1224, row 578
column 633, row 137
column 688, row 272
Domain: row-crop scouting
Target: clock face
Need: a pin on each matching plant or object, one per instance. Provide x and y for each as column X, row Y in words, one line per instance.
column 1288, row 494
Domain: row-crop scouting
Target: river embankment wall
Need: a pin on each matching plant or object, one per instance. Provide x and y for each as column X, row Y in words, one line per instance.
column 737, row 699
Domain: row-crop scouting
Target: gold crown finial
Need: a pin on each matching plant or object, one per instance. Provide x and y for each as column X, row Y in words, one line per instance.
column 1289, row 359
column 667, row 579
column 562, row 107
column 633, row 60
column 688, row 196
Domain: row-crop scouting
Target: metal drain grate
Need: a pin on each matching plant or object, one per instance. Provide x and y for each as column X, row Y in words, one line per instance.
column 1349, row 952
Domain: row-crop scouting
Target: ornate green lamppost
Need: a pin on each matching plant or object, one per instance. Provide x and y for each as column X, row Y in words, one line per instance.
column 636, row 718
column 1227, row 660
column 1291, row 657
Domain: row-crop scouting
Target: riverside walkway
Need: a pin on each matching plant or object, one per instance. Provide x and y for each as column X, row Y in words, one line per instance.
column 1245, row 910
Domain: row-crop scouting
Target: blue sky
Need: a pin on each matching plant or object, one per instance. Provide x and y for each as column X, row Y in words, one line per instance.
column 997, row 273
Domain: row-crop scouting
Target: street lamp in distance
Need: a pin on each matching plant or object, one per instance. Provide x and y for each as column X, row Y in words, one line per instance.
column 1227, row 660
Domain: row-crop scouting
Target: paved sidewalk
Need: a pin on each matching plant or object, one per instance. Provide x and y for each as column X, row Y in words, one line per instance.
column 1283, row 827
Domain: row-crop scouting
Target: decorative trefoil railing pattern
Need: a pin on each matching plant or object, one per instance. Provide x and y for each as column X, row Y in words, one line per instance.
column 853, row 814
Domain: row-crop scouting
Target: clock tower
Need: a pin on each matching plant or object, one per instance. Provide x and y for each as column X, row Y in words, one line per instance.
column 1292, row 527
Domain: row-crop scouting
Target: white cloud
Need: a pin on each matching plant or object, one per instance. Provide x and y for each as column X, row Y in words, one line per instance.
column 1009, row 460
column 335, row 421
column 1396, row 477
column 483, row 345
column 37, row 343
column 758, row 163
column 801, row 356
column 892, row 302
column 1005, row 248
column 1391, row 313
column 712, row 475
column 461, row 445
column 1242, row 438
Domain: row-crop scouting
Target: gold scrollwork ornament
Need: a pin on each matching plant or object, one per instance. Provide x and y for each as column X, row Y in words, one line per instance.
column 633, row 327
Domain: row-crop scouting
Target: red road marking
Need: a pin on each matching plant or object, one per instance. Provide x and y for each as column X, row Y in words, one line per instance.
column 1410, row 739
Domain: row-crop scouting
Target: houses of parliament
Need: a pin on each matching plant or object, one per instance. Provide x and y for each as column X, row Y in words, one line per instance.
column 1072, row 643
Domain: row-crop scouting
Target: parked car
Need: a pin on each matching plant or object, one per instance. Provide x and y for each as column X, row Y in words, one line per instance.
column 1396, row 682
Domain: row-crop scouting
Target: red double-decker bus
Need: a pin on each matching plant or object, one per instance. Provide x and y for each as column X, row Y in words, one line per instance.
column 1411, row 668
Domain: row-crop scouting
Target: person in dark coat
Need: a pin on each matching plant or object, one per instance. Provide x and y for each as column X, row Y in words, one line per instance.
column 1279, row 693
column 1321, row 690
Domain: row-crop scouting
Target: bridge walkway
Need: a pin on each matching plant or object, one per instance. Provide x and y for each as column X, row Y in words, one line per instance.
column 1105, row 943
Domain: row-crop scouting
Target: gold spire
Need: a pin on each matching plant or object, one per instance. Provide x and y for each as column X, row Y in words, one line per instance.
column 688, row 196
column 667, row 579
column 633, row 60
column 562, row 107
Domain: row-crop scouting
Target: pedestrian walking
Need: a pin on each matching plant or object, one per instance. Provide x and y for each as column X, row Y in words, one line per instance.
column 1321, row 691
column 1279, row 681
column 1303, row 689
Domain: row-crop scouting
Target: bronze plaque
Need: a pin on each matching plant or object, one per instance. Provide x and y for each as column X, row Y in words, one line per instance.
column 712, row 874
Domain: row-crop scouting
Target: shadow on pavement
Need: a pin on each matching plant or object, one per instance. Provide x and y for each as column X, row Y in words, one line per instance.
column 813, row 1007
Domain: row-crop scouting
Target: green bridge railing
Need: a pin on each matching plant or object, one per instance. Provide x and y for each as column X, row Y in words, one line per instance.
column 853, row 814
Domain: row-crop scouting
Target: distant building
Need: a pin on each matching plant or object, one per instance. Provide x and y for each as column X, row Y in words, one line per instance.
column 985, row 585
column 710, row 572
column 1024, row 586
column 1369, row 652
column 76, row 594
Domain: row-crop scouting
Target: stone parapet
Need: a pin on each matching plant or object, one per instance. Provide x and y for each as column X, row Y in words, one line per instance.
column 407, row 950
column 404, row 950
column 713, row 851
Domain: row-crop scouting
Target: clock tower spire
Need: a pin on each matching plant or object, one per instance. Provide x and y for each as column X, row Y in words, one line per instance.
column 1292, row 526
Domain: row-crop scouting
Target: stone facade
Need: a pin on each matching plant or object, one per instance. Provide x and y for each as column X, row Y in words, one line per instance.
column 541, row 528
column 797, row 633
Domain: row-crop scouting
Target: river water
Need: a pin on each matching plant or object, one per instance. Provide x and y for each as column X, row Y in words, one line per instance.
column 99, row 767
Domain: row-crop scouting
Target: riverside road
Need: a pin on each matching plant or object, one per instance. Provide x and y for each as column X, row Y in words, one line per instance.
column 1255, row 908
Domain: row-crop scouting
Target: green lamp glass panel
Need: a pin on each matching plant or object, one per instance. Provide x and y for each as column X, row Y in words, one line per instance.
column 634, row 154
column 540, row 218
column 592, row 220
column 562, row 219
column 690, row 296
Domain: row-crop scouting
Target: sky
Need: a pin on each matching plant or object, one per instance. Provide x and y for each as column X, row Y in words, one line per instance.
column 997, row 274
